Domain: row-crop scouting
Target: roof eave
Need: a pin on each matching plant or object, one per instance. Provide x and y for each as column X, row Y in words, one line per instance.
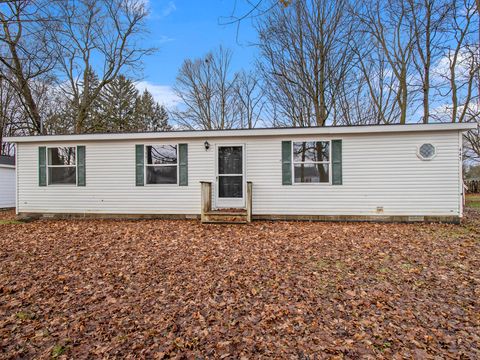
column 328, row 130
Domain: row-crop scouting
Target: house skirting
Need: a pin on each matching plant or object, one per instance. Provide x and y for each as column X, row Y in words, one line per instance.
column 325, row 218
column 363, row 218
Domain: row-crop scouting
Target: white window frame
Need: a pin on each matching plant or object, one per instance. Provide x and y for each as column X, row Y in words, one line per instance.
column 239, row 203
column 424, row 158
column 59, row 166
column 145, row 164
column 329, row 162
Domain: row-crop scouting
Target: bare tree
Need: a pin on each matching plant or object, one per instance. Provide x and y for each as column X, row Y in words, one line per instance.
column 472, row 145
column 306, row 52
column 15, row 119
column 372, row 86
column 429, row 21
column 26, row 50
column 389, row 28
column 101, row 35
column 207, row 91
column 250, row 100
column 462, row 60
column 8, row 112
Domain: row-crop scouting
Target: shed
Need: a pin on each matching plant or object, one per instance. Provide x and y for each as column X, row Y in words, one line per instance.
column 382, row 172
column 7, row 182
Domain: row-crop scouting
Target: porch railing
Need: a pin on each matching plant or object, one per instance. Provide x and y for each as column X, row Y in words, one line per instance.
column 206, row 208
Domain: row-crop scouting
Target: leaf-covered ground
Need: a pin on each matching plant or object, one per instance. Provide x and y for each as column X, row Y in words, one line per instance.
column 160, row 289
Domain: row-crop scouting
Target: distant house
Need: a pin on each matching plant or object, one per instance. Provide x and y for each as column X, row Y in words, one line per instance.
column 7, row 182
column 384, row 172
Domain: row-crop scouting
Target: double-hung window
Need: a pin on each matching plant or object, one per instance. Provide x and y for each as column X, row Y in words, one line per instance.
column 62, row 166
column 311, row 162
column 161, row 165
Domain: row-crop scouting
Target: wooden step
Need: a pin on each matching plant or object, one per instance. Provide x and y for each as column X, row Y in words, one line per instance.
column 225, row 217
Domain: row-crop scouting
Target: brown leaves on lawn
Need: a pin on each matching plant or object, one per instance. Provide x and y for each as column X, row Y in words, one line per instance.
column 163, row 289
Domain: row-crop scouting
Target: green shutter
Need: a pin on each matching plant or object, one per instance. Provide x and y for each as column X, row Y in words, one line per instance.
column 139, row 165
column 81, row 165
column 337, row 162
column 42, row 166
column 183, row 164
column 286, row 163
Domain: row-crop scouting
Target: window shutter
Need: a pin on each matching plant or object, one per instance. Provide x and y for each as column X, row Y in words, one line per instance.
column 81, row 165
column 42, row 166
column 183, row 164
column 286, row 163
column 139, row 165
column 337, row 162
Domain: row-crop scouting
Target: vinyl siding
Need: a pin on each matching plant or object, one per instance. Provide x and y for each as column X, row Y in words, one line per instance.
column 379, row 170
column 7, row 187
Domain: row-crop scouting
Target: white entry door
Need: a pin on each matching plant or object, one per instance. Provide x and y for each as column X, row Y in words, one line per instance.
column 230, row 176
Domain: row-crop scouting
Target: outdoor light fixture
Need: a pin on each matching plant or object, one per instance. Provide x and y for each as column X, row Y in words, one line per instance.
column 206, row 144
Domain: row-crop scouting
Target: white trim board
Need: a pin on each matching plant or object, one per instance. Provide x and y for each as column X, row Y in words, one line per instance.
column 326, row 130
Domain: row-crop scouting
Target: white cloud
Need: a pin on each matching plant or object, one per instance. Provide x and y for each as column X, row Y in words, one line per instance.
column 441, row 70
column 443, row 112
column 169, row 8
column 163, row 94
column 162, row 39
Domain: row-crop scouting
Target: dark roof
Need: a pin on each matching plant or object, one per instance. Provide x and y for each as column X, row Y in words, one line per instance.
column 7, row 160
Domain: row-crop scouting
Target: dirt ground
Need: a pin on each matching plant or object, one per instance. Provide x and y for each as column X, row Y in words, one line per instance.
column 300, row 290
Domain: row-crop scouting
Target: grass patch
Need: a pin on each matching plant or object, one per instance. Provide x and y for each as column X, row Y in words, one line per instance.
column 473, row 204
column 25, row 315
column 57, row 351
column 473, row 201
column 10, row 222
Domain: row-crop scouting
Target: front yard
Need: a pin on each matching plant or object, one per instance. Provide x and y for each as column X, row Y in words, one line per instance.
column 98, row 288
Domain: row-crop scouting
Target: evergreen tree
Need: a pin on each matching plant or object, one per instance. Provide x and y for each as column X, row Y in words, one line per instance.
column 151, row 116
column 118, row 105
column 93, row 122
column 119, row 108
column 62, row 111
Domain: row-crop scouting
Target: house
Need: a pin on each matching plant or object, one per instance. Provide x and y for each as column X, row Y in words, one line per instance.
column 382, row 172
column 7, row 182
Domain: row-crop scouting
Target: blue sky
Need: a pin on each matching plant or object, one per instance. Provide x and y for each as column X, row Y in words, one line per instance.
column 183, row 29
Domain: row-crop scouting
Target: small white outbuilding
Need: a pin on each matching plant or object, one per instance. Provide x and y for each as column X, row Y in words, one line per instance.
column 7, row 182
column 382, row 172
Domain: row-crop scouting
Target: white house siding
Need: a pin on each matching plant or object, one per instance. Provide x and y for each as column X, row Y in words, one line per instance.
column 7, row 187
column 379, row 170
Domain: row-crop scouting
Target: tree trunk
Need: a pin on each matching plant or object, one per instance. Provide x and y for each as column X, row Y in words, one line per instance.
column 23, row 87
column 426, row 103
column 426, row 77
column 403, row 100
column 453, row 86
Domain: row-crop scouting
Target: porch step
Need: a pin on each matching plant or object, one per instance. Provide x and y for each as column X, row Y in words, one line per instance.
column 225, row 217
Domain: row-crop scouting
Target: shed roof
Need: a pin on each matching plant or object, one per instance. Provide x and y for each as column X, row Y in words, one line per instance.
column 325, row 130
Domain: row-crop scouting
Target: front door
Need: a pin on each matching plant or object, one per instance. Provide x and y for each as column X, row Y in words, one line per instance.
column 230, row 176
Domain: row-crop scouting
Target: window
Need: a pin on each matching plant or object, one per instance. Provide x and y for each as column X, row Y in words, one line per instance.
column 62, row 167
column 311, row 161
column 161, row 164
column 426, row 151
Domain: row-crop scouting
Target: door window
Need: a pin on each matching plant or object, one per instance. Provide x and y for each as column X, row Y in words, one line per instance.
column 230, row 172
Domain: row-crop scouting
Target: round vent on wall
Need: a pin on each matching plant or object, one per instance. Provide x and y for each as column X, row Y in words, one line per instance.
column 426, row 152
